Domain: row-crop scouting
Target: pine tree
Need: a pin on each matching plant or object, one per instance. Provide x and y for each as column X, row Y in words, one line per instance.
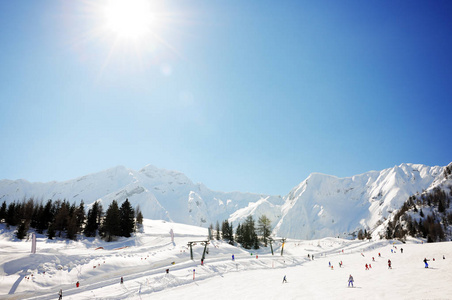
column 225, row 230
column 255, row 241
column 37, row 218
column 22, row 230
column 441, row 207
column 238, row 234
column 249, row 233
column 217, row 231
column 61, row 217
column 210, row 232
column 231, row 235
column 80, row 216
column 92, row 224
column 3, row 212
column 28, row 210
column 100, row 214
column 139, row 217
column 51, row 231
column 47, row 216
column 111, row 225
column 12, row 214
column 71, row 227
column 127, row 218
column 264, row 227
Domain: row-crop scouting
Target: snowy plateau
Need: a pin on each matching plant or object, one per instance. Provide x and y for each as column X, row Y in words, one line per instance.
column 320, row 206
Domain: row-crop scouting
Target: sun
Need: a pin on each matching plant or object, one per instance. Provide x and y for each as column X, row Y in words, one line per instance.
column 131, row 35
column 128, row 18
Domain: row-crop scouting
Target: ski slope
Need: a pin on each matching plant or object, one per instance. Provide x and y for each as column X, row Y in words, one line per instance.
column 142, row 262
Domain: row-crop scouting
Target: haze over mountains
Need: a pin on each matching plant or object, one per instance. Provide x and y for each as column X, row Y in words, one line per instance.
column 320, row 206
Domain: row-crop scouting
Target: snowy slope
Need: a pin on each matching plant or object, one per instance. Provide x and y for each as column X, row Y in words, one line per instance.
column 324, row 205
column 143, row 259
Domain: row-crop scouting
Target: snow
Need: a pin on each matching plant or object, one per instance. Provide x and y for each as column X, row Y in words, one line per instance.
column 161, row 194
column 325, row 205
column 320, row 206
column 143, row 259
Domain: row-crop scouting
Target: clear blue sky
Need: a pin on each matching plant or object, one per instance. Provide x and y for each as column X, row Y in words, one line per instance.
column 239, row 95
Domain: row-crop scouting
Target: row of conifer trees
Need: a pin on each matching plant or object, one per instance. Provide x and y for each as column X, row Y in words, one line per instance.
column 247, row 234
column 62, row 219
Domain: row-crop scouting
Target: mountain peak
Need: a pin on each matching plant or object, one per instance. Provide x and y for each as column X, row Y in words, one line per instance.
column 321, row 205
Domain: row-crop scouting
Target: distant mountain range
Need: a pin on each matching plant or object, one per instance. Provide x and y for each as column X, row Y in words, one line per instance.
column 320, row 206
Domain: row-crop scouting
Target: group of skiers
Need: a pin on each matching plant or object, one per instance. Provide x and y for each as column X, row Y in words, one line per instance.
column 350, row 278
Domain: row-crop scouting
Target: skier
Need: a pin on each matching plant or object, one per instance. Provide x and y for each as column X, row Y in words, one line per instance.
column 367, row 267
column 233, row 258
column 401, row 250
column 60, row 294
column 425, row 262
column 350, row 280
column 389, row 264
column 329, row 264
column 284, row 279
column 122, row 280
column 379, row 255
column 77, row 284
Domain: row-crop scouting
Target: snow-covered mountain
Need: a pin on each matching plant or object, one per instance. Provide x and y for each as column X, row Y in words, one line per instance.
column 161, row 194
column 320, row 206
column 324, row 205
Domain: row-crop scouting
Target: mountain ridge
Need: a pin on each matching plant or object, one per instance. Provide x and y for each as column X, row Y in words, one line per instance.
column 321, row 205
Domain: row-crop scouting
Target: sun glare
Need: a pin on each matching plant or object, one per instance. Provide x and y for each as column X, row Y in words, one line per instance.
column 132, row 34
column 128, row 18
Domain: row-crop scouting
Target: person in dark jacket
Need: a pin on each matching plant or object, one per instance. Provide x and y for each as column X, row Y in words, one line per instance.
column 350, row 280
column 425, row 262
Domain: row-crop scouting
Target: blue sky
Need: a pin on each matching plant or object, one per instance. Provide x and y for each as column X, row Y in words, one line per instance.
column 239, row 95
